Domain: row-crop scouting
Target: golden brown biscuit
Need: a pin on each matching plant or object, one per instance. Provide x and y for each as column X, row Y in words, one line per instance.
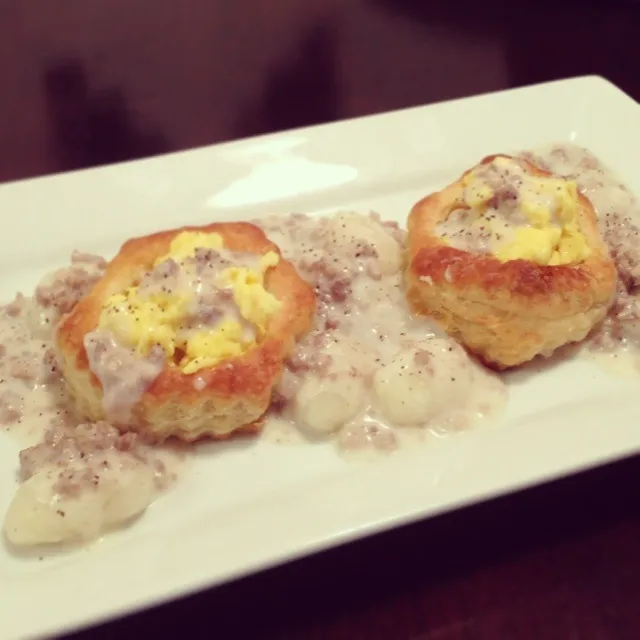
column 215, row 401
column 505, row 312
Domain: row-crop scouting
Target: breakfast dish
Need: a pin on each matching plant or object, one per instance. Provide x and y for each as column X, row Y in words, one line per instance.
column 78, row 479
column 191, row 333
column 509, row 260
column 377, row 417
column 341, row 328
column 370, row 374
column 93, row 360
column 319, row 325
column 186, row 333
column 304, row 323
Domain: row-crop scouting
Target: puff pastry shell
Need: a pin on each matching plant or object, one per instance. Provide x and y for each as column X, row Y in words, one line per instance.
column 230, row 397
column 505, row 312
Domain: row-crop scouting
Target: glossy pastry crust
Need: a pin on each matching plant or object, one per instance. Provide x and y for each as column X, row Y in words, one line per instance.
column 505, row 312
column 231, row 397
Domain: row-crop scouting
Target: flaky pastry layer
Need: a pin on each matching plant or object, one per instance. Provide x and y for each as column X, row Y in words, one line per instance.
column 505, row 312
column 231, row 397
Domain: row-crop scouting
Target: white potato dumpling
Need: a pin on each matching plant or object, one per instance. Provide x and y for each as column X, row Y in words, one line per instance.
column 38, row 515
column 324, row 405
column 349, row 228
column 405, row 391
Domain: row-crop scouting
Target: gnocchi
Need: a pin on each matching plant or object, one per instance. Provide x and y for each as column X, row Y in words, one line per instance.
column 404, row 390
column 349, row 229
column 40, row 515
column 323, row 406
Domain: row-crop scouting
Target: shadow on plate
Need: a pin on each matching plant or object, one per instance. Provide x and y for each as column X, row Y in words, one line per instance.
column 239, row 442
column 540, row 365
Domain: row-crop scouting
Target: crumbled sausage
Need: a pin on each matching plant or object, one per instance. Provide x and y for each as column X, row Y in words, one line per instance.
column 422, row 358
column 339, row 290
column 123, row 375
column 623, row 238
column 11, row 407
column 210, row 306
column 66, row 288
column 80, row 257
column 505, row 195
column 69, row 450
column 24, row 368
column 17, row 306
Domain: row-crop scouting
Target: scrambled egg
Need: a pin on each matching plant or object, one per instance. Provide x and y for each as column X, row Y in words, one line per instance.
column 142, row 321
column 545, row 240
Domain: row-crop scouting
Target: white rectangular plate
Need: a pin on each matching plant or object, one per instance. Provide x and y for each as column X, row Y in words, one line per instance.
column 242, row 508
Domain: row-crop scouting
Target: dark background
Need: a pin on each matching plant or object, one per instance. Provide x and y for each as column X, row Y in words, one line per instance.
column 87, row 82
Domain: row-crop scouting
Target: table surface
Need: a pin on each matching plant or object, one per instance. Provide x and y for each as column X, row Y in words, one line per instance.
column 87, row 83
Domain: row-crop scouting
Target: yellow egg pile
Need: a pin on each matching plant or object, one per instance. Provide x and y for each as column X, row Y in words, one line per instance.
column 158, row 318
column 552, row 235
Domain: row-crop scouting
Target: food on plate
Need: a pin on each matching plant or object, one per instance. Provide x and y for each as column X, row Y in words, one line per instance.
column 303, row 324
column 186, row 333
column 370, row 374
column 77, row 479
column 616, row 341
column 79, row 483
column 509, row 260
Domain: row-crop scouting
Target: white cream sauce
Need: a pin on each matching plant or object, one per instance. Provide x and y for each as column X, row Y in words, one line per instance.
column 370, row 375
column 198, row 278
column 124, row 375
column 615, row 345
